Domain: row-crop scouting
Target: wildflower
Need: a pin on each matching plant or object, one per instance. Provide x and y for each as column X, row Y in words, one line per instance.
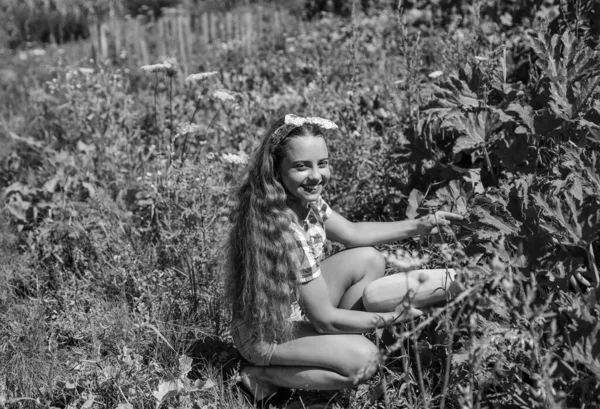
column 38, row 52
column 436, row 74
column 201, row 76
column 239, row 159
column 168, row 67
column 210, row 155
column 154, row 68
column 223, row 95
column 86, row 71
column 188, row 129
column 171, row 64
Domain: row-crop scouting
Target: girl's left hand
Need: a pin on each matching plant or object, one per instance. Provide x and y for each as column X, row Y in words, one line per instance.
column 432, row 223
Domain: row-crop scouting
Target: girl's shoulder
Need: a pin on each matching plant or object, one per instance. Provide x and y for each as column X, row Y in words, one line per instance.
column 323, row 208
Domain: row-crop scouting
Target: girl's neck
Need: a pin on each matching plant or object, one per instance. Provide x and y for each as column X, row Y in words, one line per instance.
column 301, row 209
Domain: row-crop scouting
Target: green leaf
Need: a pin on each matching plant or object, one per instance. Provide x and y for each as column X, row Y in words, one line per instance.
column 475, row 129
column 167, row 389
column 486, row 218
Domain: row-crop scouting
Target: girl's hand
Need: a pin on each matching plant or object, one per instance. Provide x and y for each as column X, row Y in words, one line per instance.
column 401, row 313
column 432, row 223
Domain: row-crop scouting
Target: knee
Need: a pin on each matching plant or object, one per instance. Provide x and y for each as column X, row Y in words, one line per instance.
column 364, row 364
column 374, row 262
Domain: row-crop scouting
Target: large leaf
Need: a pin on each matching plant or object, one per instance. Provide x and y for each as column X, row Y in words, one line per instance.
column 475, row 129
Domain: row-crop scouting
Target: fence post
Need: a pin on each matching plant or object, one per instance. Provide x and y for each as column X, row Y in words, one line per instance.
column 104, row 40
column 189, row 36
column 94, row 38
column 229, row 27
column 204, row 26
column 141, row 41
column 115, row 26
column 249, row 41
column 213, row 28
column 181, row 40
column 277, row 23
column 259, row 24
column 160, row 37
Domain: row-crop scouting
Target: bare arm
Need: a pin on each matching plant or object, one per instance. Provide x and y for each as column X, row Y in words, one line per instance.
column 373, row 233
column 327, row 319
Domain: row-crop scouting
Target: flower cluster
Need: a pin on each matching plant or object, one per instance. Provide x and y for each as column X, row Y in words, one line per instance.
column 168, row 67
column 238, row 159
column 201, row 76
column 224, row 95
column 189, row 129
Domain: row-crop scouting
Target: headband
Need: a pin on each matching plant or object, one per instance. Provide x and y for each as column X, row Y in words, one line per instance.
column 294, row 121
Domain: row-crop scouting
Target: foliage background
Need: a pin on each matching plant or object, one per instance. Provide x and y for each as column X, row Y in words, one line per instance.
column 115, row 186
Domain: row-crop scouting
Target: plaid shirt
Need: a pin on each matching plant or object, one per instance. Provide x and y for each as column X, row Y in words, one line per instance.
column 309, row 240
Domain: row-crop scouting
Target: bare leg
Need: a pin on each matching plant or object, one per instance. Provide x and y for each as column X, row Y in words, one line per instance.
column 427, row 286
column 322, row 361
column 349, row 272
column 315, row 361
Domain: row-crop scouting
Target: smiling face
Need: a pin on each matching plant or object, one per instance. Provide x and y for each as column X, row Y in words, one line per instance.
column 305, row 168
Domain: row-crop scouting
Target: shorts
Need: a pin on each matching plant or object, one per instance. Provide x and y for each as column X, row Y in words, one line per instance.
column 253, row 350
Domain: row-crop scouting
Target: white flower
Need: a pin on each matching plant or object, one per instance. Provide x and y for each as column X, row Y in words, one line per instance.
column 210, row 155
column 201, row 76
column 436, row 74
column 223, row 95
column 155, row 68
column 168, row 67
column 239, row 159
column 189, row 129
column 86, row 71
column 38, row 52
column 479, row 58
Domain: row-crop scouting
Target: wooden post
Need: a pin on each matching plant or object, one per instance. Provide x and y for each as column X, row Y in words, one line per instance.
column 259, row 25
column 141, row 39
column 127, row 28
column 94, row 40
column 189, row 36
column 115, row 26
column 213, row 28
column 181, row 39
column 230, row 35
column 204, row 26
column 276, row 24
column 240, row 28
column 160, row 37
column 104, row 40
column 249, row 35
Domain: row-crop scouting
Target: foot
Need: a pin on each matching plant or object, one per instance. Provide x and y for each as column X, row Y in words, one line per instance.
column 259, row 390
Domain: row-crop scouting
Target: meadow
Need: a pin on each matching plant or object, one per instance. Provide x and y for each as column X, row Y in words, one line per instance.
column 116, row 180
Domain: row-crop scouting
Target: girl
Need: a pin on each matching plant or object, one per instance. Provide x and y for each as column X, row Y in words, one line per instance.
column 276, row 275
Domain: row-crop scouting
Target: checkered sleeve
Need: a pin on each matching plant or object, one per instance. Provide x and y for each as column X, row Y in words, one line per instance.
column 324, row 209
column 309, row 266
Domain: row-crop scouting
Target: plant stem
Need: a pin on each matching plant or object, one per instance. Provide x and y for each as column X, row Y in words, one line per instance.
column 419, row 367
column 170, row 123
column 156, row 108
column 489, row 165
column 592, row 264
column 184, row 144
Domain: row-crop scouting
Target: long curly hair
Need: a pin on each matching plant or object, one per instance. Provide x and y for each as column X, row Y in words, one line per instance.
column 261, row 272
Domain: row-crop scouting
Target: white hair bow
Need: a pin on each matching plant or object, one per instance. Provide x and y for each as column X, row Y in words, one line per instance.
column 294, row 121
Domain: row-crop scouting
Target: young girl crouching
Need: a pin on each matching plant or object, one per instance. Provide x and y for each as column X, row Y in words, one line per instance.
column 298, row 318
